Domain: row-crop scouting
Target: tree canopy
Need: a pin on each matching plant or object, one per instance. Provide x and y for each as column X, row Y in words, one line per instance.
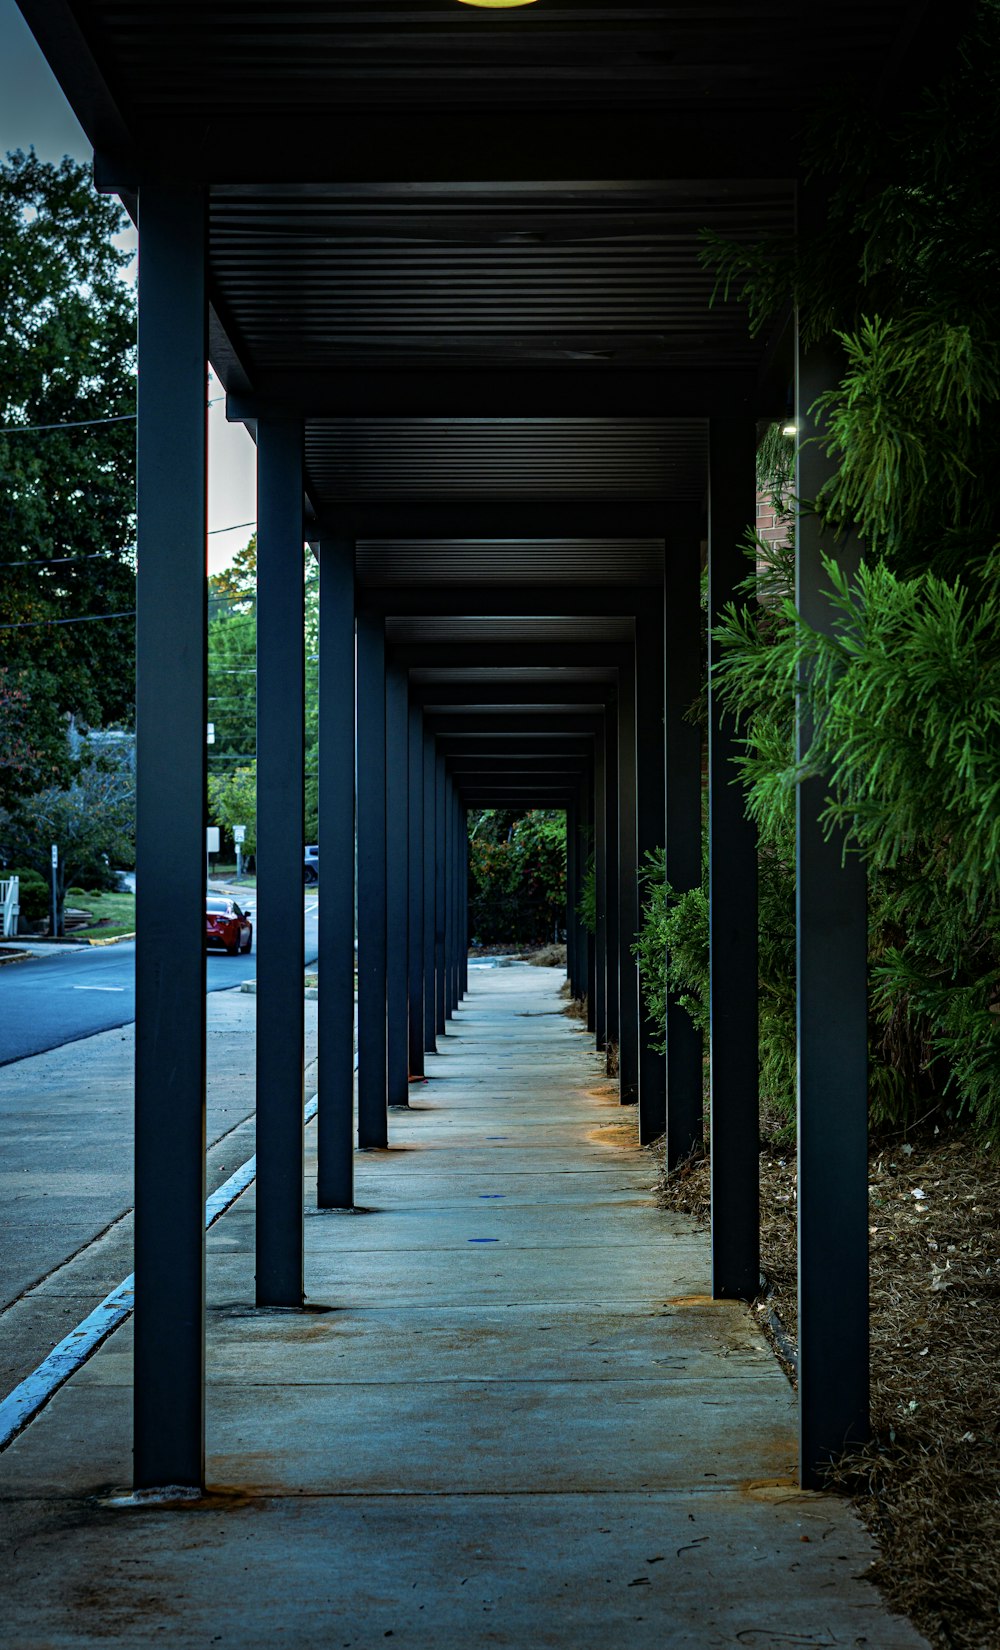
column 898, row 273
column 67, row 462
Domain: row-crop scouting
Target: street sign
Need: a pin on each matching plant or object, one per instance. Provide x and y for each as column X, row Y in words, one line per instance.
column 55, row 856
column 212, row 839
column 210, row 735
column 239, row 833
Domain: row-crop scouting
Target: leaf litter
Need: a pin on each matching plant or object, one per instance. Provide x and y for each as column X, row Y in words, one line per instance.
column 928, row 1484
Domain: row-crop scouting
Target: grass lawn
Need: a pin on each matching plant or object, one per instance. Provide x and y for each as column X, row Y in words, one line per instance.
column 112, row 914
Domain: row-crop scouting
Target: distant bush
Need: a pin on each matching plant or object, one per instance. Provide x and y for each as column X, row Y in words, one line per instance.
column 33, row 896
column 517, row 876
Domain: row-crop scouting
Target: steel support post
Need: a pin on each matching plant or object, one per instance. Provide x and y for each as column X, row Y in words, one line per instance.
column 372, row 1052
column 601, row 893
column 169, row 1367
column 280, row 835
column 440, row 900
column 415, row 886
column 335, row 1119
column 832, row 943
column 612, row 904
column 650, row 683
column 397, row 891
column 628, row 893
column 684, row 623
column 456, row 889
column 590, row 939
column 464, row 895
column 451, row 926
column 430, row 894
column 732, row 860
column 459, row 831
column 572, row 844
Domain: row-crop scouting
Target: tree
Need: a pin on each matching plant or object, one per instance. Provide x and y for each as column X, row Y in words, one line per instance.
column 904, row 696
column 517, row 875
column 31, row 749
column 92, row 821
column 232, row 676
column 232, row 800
column 67, row 527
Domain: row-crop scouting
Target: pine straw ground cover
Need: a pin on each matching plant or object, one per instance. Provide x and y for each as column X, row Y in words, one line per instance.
column 928, row 1485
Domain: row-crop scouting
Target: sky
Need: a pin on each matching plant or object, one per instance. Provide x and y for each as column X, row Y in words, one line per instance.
column 33, row 111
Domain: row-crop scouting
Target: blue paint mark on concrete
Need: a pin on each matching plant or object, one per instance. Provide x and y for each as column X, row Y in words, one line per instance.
column 33, row 1393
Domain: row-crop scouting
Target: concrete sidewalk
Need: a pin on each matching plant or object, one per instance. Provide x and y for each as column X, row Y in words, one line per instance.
column 510, row 1416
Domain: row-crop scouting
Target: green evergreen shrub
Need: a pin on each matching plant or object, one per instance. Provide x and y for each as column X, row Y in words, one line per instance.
column 517, row 876
column 34, row 896
column 904, row 696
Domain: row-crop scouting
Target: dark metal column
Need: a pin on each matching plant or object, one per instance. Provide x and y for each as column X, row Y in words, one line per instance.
column 613, row 882
column 464, row 828
column 372, row 1093
column 280, row 835
column 430, row 894
column 832, row 965
column 683, row 824
column 601, row 891
column 572, row 895
column 732, row 856
column 451, row 926
column 587, row 938
column 335, row 1120
column 440, row 981
column 457, row 884
column 415, row 883
column 397, row 892
column 169, row 1369
column 650, row 830
column 628, row 892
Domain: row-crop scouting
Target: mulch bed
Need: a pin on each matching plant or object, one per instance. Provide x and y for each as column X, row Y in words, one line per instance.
column 928, row 1485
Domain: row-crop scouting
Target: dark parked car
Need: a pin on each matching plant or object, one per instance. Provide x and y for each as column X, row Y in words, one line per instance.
column 227, row 925
column 310, row 863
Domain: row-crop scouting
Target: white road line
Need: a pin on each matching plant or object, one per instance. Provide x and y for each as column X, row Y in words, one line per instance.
column 34, row 1392
column 98, row 988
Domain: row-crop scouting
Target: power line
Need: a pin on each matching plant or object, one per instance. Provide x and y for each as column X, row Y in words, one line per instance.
column 81, row 423
column 101, row 555
column 71, row 424
column 57, row 561
column 88, row 618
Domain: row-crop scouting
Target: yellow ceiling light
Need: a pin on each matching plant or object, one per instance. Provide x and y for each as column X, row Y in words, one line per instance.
column 496, row 5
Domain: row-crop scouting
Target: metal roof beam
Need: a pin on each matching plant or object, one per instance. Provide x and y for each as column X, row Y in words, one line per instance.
column 493, row 519
column 500, row 392
column 486, row 698
column 461, row 728
column 544, row 144
column 478, row 656
column 564, row 601
column 543, row 746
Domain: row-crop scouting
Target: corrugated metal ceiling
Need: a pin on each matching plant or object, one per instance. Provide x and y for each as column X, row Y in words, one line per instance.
column 532, row 458
column 419, row 276
column 510, row 562
column 238, row 57
column 477, row 629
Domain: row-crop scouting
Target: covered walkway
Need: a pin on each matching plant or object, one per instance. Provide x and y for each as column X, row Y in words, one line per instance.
column 503, row 1418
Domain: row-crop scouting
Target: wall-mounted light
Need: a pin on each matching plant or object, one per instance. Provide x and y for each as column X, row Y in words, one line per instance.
column 789, row 429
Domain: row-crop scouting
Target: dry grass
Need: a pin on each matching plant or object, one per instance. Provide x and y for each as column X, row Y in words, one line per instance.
column 928, row 1485
column 547, row 956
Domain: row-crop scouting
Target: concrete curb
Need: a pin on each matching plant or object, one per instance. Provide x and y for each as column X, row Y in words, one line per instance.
column 76, row 939
column 13, row 956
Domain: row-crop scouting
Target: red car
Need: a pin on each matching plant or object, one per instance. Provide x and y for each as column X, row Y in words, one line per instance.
column 227, row 925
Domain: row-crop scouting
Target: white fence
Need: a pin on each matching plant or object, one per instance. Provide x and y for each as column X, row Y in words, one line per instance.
column 9, row 908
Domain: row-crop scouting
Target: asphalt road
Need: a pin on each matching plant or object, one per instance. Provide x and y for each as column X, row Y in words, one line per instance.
column 75, row 991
